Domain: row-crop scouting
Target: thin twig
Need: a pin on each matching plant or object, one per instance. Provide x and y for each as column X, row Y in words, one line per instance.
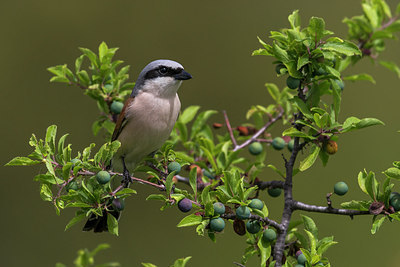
column 228, row 125
column 297, row 205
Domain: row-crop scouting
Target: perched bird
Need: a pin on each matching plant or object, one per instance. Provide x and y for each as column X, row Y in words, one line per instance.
column 145, row 122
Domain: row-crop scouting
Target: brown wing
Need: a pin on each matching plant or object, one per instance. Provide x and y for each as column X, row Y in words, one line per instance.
column 121, row 119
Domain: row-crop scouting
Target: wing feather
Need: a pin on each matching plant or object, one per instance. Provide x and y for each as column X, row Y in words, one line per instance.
column 122, row 120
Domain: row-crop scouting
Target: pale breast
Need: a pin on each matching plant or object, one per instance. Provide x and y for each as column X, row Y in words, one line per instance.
column 150, row 122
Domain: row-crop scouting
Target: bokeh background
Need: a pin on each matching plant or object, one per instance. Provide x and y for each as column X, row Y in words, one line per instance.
column 214, row 41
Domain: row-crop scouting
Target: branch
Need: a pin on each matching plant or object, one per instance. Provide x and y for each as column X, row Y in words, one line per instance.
column 259, row 132
column 269, row 184
column 228, row 125
column 297, row 205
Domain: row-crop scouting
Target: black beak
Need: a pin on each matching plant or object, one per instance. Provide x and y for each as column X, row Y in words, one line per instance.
column 183, row 75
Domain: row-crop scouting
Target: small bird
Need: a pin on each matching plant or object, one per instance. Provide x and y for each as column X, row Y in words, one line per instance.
column 145, row 122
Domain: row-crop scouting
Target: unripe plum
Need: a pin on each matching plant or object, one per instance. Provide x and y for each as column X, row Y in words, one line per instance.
column 278, row 143
column 219, row 208
column 116, row 107
column 242, row 213
column 255, row 148
column 256, row 204
column 103, row 177
column 174, row 166
column 341, row 188
column 217, row 224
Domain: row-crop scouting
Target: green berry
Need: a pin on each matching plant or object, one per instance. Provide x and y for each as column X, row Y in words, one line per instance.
column 253, row 227
column 174, row 166
column 103, row 177
column 278, row 143
column 256, row 204
column 208, row 174
column 274, row 192
column 242, row 213
column 118, row 204
column 279, row 67
column 341, row 188
column 72, row 185
column 290, row 145
column 292, row 83
column 301, row 259
column 255, row 148
column 219, row 208
column 217, row 224
column 269, row 235
column 394, row 200
column 116, row 107
column 185, row 205
column 340, row 83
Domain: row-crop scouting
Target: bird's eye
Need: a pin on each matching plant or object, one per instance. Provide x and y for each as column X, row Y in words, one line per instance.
column 163, row 70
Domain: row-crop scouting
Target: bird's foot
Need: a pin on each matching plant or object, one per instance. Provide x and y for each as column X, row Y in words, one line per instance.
column 127, row 180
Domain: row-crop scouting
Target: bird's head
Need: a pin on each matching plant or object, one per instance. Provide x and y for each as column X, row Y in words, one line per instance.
column 161, row 77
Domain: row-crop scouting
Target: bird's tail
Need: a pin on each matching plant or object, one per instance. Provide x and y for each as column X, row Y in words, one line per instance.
column 99, row 223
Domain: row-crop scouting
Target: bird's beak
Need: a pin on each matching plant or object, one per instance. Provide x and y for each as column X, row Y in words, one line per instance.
column 183, row 75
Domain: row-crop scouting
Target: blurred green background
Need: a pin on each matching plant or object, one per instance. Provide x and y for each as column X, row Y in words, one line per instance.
column 214, row 41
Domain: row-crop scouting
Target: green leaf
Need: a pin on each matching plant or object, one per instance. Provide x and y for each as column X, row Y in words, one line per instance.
column 125, row 191
column 312, row 241
column 144, row 264
column 310, row 225
column 45, row 192
column 294, row 19
column 112, row 224
column 393, row 173
column 360, row 77
column 277, row 171
column 265, row 251
column 190, row 220
column 188, row 114
column 367, row 122
column 303, row 60
column 280, row 54
column 341, row 47
column 156, row 197
column 377, row 224
column 200, row 121
column 310, row 159
column 181, row 262
column 356, row 205
column 74, row 221
column 273, row 91
column 296, row 133
column 372, row 14
column 22, row 161
column 193, row 180
column 391, row 66
column 169, row 183
column 302, row 107
column 51, row 137
column 316, row 28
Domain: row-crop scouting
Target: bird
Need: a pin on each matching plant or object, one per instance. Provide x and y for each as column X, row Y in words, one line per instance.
column 145, row 122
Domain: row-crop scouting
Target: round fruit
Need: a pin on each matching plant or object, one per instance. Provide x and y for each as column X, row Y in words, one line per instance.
column 116, row 107
column 278, row 143
column 103, row 177
column 292, row 83
column 253, row 227
column 274, row 192
column 340, row 83
column 269, row 235
column 208, row 174
column 301, row 259
column 395, row 200
column 341, row 188
column 185, row 205
column 118, row 204
column 243, row 213
column 331, row 147
column 279, row 67
column 217, row 224
column 219, row 208
column 298, row 253
column 256, row 204
column 72, row 185
column 255, row 148
column 174, row 166
column 290, row 145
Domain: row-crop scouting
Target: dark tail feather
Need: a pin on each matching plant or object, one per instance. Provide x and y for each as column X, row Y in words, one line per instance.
column 99, row 223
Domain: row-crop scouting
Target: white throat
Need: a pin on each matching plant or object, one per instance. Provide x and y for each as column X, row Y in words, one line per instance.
column 164, row 87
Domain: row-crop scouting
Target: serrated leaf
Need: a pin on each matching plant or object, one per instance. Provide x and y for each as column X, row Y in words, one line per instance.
column 188, row 114
column 294, row 19
column 156, row 197
column 343, row 47
column 193, row 180
column 391, row 66
column 190, row 220
column 356, row 205
column 74, row 221
column 280, row 54
column 296, row 133
column 377, row 224
column 302, row 107
column 265, row 251
column 372, row 14
column 22, row 161
column 310, row 159
column 393, row 173
column 112, row 224
column 181, row 262
column 310, row 225
column 360, row 77
column 303, row 60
